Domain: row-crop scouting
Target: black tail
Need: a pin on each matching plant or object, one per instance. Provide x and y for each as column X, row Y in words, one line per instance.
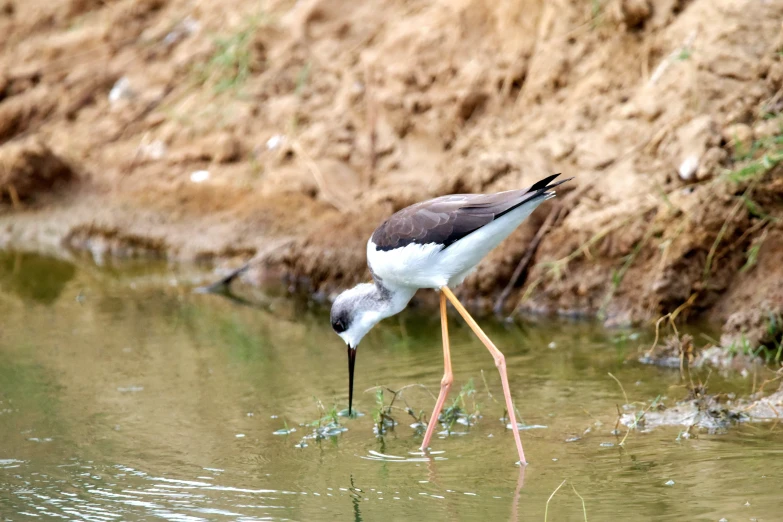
column 544, row 185
column 539, row 190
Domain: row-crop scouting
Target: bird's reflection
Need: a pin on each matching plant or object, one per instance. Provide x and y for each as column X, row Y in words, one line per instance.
column 432, row 476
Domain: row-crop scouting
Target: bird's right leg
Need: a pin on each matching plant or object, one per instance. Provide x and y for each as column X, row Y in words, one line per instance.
column 448, row 377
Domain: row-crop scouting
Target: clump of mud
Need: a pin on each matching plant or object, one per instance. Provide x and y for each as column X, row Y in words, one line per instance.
column 710, row 413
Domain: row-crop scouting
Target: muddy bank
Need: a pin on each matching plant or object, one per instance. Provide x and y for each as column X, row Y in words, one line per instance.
column 285, row 133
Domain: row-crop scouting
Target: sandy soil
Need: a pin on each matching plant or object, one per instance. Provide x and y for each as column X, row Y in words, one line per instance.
column 316, row 119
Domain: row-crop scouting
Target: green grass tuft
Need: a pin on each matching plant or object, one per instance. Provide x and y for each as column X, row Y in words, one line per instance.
column 760, row 157
column 230, row 65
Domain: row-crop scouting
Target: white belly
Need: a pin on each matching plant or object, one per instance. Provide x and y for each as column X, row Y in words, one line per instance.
column 414, row 266
column 432, row 266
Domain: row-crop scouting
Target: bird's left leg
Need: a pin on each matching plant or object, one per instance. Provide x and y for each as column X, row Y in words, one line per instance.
column 448, row 377
column 500, row 362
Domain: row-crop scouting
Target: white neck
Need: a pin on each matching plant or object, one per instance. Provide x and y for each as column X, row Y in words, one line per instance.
column 373, row 303
column 392, row 299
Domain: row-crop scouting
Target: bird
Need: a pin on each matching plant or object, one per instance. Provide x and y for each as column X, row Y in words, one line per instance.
column 435, row 244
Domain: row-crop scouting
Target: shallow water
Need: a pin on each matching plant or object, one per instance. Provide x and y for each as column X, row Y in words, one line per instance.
column 125, row 396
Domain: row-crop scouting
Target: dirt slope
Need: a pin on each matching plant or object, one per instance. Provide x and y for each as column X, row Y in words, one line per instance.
column 316, row 119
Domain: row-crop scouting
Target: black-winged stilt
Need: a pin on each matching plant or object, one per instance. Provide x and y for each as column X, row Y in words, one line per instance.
column 434, row 244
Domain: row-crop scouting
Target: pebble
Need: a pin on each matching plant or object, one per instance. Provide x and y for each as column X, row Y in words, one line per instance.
column 121, row 90
column 275, row 141
column 688, row 167
column 199, row 176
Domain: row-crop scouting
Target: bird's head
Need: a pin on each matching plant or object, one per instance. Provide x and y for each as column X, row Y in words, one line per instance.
column 354, row 313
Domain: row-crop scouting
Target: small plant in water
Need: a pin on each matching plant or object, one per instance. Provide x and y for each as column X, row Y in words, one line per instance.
column 285, row 430
column 459, row 411
column 326, row 426
column 382, row 413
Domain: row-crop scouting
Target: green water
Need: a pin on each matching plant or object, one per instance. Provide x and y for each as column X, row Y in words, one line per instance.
column 124, row 396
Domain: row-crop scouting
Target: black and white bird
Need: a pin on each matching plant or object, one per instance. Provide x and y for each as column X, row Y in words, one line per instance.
column 434, row 244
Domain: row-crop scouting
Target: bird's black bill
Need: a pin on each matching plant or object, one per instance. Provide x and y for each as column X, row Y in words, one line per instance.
column 351, row 365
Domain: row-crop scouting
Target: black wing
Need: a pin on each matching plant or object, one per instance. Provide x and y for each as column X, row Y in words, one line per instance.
column 448, row 219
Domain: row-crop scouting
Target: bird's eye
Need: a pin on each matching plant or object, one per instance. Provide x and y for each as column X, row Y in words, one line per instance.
column 338, row 326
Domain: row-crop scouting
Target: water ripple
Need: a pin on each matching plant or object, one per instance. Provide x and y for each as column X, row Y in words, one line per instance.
column 134, row 493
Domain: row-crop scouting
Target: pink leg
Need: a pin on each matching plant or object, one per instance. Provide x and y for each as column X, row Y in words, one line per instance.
column 500, row 362
column 448, row 377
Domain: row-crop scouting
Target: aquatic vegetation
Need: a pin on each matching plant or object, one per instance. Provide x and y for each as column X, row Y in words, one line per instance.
column 464, row 409
column 382, row 413
column 461, row 411
column 285, row 430
column 326, row 426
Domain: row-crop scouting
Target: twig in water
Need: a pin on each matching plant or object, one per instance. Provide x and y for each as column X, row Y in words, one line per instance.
column 385, row 411
column 486, row 387
column 685, row 347
column 680, row 308
column 546, row 509
column 222, row 284
column 638, row 418
column 584, row 508
column 590, row 415
column 777, row 417
column 619, row 413
column 671, row 316
column 416, row 384
column 768, row 381
column 657, row 332
column 620, row 385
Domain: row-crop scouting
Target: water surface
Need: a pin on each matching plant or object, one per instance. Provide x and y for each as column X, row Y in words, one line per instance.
column 125, row 396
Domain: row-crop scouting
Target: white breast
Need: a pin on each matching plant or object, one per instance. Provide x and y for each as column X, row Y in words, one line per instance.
column 412, row 266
